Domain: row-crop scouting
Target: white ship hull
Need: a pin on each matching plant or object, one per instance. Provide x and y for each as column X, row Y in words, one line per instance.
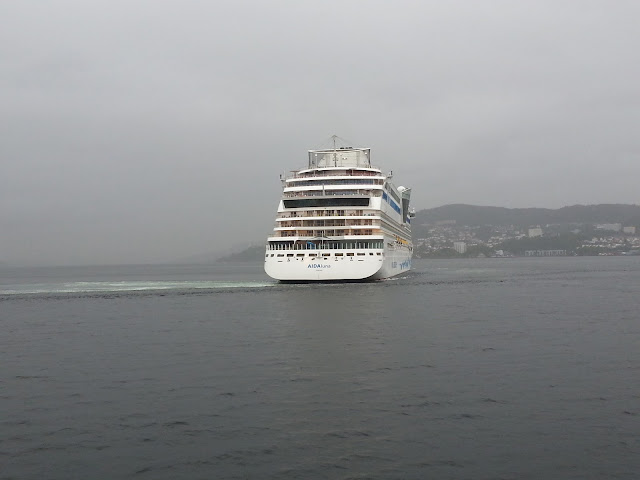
column 338, row 265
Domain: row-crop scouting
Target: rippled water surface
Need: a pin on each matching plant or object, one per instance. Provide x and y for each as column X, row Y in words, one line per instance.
column 474, row 369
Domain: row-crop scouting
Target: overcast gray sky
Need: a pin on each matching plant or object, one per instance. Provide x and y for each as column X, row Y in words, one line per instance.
column 144, row 131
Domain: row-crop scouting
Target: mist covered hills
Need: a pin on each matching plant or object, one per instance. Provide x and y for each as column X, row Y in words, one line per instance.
column 474, row 215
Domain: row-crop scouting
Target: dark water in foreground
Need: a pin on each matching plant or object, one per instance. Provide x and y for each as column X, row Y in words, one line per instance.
column 476, row 369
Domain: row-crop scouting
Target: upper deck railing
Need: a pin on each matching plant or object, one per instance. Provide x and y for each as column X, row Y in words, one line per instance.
column 334, row 174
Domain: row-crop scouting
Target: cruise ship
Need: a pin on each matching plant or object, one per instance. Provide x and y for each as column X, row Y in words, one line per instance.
column 340, row 219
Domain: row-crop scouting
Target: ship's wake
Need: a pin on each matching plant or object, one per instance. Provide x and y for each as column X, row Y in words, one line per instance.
column 124, row 286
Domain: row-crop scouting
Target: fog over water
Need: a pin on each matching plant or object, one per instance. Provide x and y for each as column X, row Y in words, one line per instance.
column 149, row 131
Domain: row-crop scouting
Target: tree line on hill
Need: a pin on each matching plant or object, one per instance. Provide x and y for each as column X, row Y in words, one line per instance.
column 474, row 215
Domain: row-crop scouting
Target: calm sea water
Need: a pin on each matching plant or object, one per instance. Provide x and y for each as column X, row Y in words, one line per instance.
column 474, row 369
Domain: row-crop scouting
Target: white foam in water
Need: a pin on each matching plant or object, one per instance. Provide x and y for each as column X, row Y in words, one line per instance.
column 106, row 287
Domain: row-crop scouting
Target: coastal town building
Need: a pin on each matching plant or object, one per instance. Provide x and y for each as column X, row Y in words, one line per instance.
column 535, row 232
column 460, row 247
column 545, row 253
column 612, row 227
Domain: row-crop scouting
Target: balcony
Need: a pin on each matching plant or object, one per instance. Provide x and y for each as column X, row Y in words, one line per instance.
column 332, row 193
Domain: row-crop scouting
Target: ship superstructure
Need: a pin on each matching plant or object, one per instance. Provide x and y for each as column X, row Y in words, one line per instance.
column 340, row 219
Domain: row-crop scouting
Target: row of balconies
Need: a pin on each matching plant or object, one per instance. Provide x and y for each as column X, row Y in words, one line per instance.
column 332, row 193
column 328, row 213
column 325, row 223
column 326, row 233
column 330, row 182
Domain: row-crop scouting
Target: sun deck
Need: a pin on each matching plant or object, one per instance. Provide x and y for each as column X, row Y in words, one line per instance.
column 340, row 157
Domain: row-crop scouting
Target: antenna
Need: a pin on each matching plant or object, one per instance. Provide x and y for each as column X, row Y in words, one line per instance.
column 335, row 155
